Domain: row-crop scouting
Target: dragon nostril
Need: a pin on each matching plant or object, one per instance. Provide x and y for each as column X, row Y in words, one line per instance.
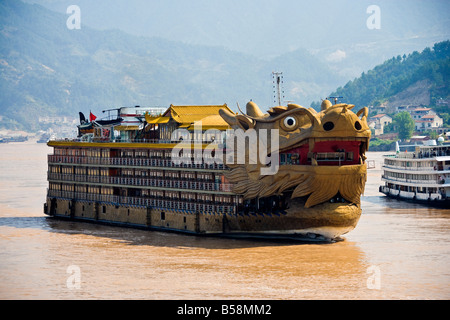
column 358, row 125
column 328, row 126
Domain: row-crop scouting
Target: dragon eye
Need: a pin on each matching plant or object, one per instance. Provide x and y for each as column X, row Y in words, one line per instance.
column 290, row 122
column 328, row 126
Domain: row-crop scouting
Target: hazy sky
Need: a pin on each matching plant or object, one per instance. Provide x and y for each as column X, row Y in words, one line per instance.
column 318, row 45
column 269, row 27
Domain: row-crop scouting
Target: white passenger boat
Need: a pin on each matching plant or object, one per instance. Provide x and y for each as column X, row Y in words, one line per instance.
column 420, row 176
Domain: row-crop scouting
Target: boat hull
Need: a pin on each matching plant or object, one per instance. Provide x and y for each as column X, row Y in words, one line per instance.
column 322, row 223
column 436, row 203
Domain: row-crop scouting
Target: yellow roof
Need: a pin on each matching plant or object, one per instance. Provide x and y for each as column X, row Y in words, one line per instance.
column 156, row 120
column 126, row 128
column 187, row 115
column 210, row 122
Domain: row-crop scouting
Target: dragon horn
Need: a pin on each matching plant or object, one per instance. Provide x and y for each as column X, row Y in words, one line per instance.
column 295, row 109
column 364, row 111
column 239, row 108
column 253, row 110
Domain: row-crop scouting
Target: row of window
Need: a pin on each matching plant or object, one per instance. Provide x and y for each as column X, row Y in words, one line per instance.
column 92, row 171
column 82, row 152
column 107, row 153
column 294, row 158
column 410, row 164
column 399, row 175
column 130, row 153
column 80, row 188
column 412, row 189
column 171, row 195
column 144, row 154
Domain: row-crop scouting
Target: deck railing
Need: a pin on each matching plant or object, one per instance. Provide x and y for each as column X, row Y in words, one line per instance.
column 149, row 141
column 419, row 182
column 423, row 154
column 207, row 207
column 145, row 182
column 133, row 162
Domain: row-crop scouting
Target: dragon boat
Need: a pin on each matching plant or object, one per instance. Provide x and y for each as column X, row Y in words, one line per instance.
column 289, row 173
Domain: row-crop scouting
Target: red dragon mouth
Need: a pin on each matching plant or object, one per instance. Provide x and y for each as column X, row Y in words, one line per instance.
column 326, row 152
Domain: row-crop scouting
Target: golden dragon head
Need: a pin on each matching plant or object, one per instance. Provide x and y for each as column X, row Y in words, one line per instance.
column 321, row 154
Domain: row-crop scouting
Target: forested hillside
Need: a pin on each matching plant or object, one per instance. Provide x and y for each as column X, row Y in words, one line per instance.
column 47, row 69
column 429, row 68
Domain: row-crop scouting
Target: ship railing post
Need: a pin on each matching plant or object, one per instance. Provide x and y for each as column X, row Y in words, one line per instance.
column 72, row 208
column 225, row 224
column 149, row 216
column 97, row 210
column 52, row 210
column 197, row 222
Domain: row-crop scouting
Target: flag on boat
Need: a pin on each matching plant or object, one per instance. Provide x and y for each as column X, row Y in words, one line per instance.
column 91, row 117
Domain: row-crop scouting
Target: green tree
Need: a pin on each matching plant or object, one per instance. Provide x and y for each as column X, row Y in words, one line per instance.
column 398, row 73
column 390, row 127
column 432, row 134
column 404, row 124
column 446, row 118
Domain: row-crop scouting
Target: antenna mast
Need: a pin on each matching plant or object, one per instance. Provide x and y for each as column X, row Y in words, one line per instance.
column 335, row 98
column 278, row 91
